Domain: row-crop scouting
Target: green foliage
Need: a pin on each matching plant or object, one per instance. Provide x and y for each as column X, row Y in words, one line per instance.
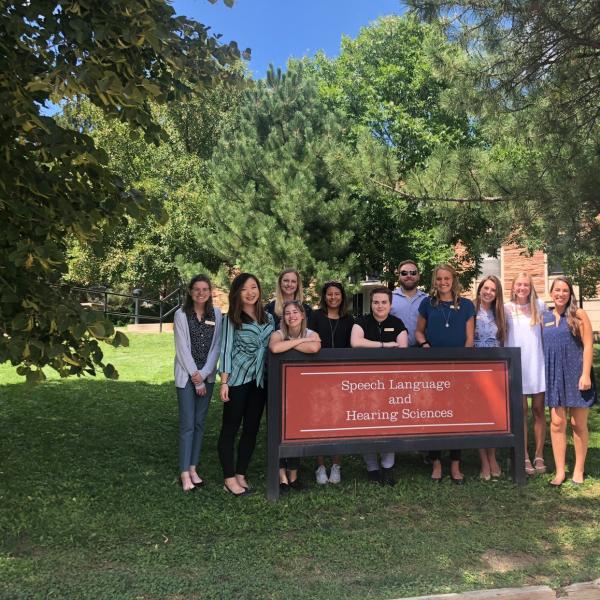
column 280, row 197
column 55, row 183
column 386, row 80
column 524, row 48
column 172, row 174
column 531, row 83
column 389, row 84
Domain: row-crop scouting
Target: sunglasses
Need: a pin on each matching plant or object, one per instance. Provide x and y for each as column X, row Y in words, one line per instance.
column 405, row 273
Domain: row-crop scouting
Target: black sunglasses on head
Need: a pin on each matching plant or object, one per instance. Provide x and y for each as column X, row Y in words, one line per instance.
column 405, row 273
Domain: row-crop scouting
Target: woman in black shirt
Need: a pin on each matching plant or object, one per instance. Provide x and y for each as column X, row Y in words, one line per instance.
column 334, row 325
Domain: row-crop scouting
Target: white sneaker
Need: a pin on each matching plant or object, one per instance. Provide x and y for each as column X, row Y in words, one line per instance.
column 336, row 474
column 321, row 474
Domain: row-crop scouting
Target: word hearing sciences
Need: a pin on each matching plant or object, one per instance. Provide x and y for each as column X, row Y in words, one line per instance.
column 396, row 385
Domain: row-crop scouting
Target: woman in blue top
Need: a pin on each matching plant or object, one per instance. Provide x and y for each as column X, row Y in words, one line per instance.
column 197, row 327
column 568, row 355
column 490, row 332
column 246, row 331
column 445, row 320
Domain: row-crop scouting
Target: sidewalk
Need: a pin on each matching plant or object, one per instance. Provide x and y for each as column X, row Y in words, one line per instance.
column 578, row 591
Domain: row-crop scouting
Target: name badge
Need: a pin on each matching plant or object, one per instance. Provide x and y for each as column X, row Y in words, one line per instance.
column 209, row 323
column 550, row 324
column 388, row 329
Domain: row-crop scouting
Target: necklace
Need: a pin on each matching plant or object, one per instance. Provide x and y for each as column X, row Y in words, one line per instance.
column 446, row 316
column 333, row 329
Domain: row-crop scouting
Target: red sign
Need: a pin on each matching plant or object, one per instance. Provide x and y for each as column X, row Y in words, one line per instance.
column 337, row 400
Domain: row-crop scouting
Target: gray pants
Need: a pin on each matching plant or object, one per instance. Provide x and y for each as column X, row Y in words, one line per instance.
column 387, row 460
column 192, row 413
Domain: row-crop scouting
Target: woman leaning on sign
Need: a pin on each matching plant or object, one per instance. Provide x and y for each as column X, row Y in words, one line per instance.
column 445, row 320
column 246, row 331
column 570, row 387
column 293, row 335
column 197, row 328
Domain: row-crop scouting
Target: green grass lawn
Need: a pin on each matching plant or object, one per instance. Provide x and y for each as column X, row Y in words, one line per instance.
column 90, row 507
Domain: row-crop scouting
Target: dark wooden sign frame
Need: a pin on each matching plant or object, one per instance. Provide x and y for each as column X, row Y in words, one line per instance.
column 277, row 449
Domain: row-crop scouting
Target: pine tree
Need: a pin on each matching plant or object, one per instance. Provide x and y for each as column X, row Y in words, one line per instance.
column 280, row 198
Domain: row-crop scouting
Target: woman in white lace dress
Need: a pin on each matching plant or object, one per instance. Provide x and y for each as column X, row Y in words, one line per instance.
column 524, row 330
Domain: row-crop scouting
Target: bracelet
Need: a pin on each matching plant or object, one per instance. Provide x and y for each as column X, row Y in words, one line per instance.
column 224, row 383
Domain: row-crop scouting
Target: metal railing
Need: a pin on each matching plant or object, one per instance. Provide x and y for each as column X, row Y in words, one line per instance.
column 167, row 305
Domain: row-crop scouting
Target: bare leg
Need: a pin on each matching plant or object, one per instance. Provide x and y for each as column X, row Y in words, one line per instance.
column 528, row 468
column 484, row 473
column 579, row 424
column 525, row 415
column 320, row 461
column 495, row 470
column 436, row 472
column 292, row 475
column 558, row 435
column 337, row 459
column 283, row 476
column 455, row 471
column 539, row 423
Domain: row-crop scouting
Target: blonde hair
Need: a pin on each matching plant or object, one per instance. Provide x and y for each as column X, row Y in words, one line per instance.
column 298, row 295
column 285, row 332
column 456, row 287
column 533, row 298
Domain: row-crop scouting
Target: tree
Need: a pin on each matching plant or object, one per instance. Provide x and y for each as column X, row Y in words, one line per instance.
column 531, row 85
column 519, row 47
column 174, row 174
column 388, row 84
column 54, row 182
column 385, row 80
column 280, row 196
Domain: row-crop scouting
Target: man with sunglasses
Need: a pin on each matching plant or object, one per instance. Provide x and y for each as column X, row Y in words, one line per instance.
column 407, row 297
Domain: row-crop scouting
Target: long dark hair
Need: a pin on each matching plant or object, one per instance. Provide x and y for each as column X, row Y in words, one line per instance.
column 236, row 315
column 188, row 303
column 497, row 306
column 573, row 321
column 343, row 308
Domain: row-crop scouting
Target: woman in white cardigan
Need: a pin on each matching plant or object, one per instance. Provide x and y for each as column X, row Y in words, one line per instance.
column 197, row 327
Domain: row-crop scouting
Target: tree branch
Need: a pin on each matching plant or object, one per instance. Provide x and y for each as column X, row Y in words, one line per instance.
column 459, row 200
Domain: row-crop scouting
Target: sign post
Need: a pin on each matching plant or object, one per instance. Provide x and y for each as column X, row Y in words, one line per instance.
column 352, row 401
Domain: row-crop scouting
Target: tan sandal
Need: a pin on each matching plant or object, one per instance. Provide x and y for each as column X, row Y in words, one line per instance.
column 538, row 465
column 529, row 470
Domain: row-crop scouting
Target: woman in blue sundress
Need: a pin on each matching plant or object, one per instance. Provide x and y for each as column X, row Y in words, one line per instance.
column 568, row 353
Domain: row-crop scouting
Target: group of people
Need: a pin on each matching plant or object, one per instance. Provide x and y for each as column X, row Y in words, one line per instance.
column 556, row 349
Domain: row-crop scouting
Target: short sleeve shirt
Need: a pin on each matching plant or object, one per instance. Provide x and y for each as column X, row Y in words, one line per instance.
column 446, row 325
column 386, row 331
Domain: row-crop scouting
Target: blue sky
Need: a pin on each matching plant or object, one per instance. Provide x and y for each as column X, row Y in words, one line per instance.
column 276, row 30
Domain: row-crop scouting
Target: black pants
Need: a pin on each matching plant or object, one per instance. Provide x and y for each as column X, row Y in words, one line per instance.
column 437, row 454
column 245, row 408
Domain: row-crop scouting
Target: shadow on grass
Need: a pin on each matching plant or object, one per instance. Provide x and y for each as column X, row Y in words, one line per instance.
column 91, row 507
